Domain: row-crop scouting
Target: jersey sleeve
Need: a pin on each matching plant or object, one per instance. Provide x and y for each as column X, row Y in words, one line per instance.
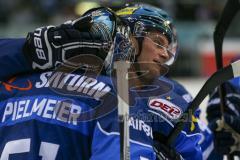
column 187, row 141
column 12, row 60
column 206, row 141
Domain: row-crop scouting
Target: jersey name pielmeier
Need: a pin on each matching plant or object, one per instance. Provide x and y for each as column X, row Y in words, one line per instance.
column 167, row 108
column 67, row 83
column 59, row 110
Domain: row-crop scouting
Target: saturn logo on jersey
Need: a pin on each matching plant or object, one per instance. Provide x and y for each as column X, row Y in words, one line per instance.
column 9, row 85
column 167, row 108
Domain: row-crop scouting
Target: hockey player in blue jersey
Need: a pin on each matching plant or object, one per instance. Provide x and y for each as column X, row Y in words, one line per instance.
column 53, row 124
column 227, row 134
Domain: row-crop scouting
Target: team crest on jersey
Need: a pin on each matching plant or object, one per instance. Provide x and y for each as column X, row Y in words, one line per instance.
column 167, row 108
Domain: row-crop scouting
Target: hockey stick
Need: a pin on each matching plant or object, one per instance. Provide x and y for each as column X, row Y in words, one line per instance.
column 123, row 107
column 230, row 10
column 222, row 75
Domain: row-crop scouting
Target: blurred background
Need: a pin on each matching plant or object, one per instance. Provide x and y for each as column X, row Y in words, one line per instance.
column 195, row 22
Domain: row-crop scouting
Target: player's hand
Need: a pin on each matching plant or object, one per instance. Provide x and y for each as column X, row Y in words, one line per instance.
column 227, row 132
column 50, row 46
column 164, row 152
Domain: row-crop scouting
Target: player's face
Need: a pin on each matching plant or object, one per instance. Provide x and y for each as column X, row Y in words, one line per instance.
column 153, row 54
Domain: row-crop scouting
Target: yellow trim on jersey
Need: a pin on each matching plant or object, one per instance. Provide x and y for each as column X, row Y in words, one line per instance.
column 194, row 120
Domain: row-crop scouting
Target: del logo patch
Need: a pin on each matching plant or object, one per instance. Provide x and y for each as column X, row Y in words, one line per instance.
column 167, row 108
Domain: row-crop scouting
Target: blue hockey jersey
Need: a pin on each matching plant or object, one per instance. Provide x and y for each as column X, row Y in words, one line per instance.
column 55, row 115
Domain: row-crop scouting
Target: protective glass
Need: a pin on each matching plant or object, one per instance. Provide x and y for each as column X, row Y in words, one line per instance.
column 160, row 41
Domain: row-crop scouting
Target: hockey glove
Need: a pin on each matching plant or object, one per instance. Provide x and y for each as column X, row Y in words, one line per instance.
column 49, row 46
column 164, row 152
column 227, row 133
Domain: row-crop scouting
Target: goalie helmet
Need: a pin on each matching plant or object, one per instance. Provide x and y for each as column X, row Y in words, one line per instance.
column 137, row 21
